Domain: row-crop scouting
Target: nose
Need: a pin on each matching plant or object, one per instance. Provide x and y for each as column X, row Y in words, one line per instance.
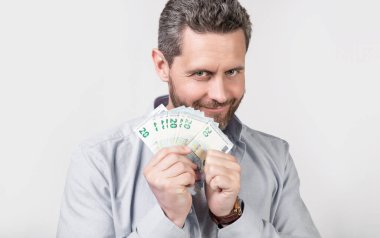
column 216, row 90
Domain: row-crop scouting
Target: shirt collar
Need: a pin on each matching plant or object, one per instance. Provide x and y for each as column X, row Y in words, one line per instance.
column 233, row 129
column 164, row 100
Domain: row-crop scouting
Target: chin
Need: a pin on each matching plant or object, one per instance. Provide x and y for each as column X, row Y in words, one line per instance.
column 222, row 123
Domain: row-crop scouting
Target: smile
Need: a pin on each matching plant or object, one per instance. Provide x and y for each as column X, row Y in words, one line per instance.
column 215, row 109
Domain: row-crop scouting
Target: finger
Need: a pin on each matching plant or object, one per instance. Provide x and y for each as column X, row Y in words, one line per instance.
column 220, row 155
column 178, row 169
column 184, row 179
column 181, row 150
column 217, row 161
column 218, row 183
column 171, row 159
column 213, row 171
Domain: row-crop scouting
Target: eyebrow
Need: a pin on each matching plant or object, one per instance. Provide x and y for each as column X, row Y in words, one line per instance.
column 238, row 68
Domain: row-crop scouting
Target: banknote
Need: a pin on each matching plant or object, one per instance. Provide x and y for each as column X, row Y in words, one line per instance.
column 147, row 130
column 183, row 126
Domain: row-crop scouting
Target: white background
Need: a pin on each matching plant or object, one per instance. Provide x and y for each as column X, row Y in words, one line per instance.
column 71, row 69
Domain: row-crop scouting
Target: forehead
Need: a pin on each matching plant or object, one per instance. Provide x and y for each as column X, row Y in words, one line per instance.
column 212, row 48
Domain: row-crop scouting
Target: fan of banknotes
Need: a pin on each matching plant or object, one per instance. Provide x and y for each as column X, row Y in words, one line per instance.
column 183, row 126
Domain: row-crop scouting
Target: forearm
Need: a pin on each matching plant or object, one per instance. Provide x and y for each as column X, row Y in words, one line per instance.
column 156, row 225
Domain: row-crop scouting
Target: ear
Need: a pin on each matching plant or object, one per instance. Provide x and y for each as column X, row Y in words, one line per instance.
column 161, row 65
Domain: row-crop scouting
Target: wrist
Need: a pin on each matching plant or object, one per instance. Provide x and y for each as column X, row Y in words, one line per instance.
column 234, row 215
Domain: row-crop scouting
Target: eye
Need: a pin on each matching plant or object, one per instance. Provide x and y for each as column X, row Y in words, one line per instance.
column 232, row 72
column 200, row 73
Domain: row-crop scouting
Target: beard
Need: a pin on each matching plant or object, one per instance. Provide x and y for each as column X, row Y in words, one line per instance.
column 221, row 118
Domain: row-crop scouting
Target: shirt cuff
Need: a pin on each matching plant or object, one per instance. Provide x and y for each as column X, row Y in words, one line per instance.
column 155, row 224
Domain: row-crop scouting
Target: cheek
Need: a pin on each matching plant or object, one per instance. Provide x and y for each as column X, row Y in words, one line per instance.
column 191, row 91
column 237, row 88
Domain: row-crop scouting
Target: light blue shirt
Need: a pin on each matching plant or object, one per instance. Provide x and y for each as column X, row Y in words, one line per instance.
column 106, row 194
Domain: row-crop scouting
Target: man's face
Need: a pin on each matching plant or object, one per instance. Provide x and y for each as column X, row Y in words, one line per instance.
column 209, row 74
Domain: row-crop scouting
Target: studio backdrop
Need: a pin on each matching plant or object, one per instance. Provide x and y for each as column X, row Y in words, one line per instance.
column 72, row 69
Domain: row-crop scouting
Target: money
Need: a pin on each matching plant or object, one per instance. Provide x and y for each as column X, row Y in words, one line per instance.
column 183, row 126
column 147, row 130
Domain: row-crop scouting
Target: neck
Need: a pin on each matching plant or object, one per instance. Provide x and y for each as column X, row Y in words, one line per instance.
column 170, row 104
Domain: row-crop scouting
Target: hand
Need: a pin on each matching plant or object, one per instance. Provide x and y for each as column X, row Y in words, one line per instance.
column 222, row 182
column 169, row 174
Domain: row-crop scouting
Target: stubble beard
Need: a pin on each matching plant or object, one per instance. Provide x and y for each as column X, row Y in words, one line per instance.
column 223, row 120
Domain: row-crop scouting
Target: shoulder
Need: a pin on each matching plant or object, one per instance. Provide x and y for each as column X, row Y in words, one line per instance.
column 267, row 147
column 104, row 146
column 264, row 139
column 120, row 132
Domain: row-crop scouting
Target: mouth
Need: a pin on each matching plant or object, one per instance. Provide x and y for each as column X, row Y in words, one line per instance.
column 215, row 110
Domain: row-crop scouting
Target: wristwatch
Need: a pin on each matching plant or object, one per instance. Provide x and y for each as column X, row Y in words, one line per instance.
column 235, row 214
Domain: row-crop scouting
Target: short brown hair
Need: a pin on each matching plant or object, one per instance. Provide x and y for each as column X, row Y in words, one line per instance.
column 219, row 16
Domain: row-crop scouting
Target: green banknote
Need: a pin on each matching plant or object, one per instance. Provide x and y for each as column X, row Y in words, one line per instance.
column 183, row 126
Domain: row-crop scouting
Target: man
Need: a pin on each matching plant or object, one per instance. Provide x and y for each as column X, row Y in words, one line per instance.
column 117, row 188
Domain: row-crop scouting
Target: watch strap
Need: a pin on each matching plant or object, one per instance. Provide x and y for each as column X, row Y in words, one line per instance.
column 235, row 214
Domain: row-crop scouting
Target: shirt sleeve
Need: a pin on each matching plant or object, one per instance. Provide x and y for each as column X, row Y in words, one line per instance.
column 292, row 218
column 86, row 209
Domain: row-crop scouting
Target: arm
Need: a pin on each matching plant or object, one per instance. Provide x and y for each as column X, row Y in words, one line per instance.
column 86, row 209
column 292, row 218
